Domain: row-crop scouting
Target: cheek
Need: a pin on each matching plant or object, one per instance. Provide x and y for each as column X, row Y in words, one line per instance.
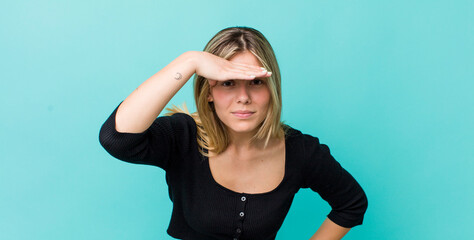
column 262, row 96
column 221, row 98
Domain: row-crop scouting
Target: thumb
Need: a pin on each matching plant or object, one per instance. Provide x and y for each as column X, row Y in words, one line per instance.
column 212, row 83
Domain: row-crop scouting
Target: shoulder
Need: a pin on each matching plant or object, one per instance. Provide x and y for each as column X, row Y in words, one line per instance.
column 306, row 148
column 317, row 165
column 307, row 156
column 178, row 122
column 184, row 117
column 179, row 130
column 302, row 139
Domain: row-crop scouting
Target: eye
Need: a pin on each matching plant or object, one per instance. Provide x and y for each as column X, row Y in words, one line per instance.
column 228, row 83
column 257, row 82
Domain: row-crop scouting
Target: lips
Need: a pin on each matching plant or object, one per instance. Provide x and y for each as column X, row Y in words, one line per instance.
column 243, row 114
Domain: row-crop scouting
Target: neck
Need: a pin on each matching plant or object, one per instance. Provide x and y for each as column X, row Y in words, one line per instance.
column 241, row 142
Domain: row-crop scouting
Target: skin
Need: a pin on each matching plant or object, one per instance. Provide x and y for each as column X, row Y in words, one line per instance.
column 158, row 90
column 245, row 166
column 234, row 95
column 330, row 231
column 254, row 95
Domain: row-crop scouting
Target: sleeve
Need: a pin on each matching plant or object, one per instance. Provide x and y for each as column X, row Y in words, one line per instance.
column 156, row 146
column 324, row 175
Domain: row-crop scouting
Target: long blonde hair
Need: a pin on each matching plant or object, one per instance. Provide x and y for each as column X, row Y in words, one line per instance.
column 211, row 132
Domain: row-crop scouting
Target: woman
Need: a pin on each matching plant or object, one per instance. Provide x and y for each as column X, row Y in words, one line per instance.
column 232, row 168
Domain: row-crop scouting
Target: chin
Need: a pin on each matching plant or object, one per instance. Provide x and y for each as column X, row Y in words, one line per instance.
column 243, row 128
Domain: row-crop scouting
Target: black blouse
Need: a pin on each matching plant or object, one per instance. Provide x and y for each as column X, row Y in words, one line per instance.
column 203, row 209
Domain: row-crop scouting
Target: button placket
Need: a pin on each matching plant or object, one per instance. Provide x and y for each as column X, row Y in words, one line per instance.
column 240, row 216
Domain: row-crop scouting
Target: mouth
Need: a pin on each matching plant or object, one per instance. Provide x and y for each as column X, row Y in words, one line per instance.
column 243, row 114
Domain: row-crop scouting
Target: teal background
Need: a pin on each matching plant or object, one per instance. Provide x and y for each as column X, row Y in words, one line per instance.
column 387, row 85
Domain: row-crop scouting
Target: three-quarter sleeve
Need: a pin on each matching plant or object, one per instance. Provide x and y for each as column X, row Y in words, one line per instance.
column 324, row 175
column 157, row 146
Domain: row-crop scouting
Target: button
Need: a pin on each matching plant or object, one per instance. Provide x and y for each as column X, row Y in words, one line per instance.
column 239, row 230
column 241, row 214
column 243, row 199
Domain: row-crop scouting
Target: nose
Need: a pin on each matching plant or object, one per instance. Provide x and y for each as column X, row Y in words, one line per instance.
column 243, row 95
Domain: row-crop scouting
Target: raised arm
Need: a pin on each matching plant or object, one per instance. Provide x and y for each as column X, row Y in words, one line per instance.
column 134, row 134
column 138, row 111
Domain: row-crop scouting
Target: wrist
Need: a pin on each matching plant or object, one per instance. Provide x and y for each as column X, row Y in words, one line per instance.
column 192, row 57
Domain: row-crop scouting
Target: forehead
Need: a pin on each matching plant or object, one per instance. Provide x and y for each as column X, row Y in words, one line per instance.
column 246, row 58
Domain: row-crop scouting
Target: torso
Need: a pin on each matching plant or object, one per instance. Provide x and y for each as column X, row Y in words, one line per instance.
column 253, row 172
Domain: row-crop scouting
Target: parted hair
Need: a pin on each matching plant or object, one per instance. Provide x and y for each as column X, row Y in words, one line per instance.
column 211, row 131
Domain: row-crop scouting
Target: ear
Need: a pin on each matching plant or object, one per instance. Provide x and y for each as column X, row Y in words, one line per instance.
column 209, row 98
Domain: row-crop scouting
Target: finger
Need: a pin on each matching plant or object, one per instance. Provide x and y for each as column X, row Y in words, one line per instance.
column 246, row 69
column 212, row 83
column 253, row 67
column 243, row 68
column 247, row 75
column 263, row 73
column 240, row 75
column 257, row 72
column 243, row 64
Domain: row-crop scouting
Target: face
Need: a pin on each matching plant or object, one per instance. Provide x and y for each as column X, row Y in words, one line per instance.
column 241, row 105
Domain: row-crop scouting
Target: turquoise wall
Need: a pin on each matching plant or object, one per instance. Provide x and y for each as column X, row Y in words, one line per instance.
column 387, row 85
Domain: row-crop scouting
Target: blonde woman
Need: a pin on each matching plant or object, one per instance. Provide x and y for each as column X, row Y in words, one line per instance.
column 233, row 167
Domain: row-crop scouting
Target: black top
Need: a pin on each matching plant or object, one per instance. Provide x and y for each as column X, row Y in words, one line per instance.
column 203, row 209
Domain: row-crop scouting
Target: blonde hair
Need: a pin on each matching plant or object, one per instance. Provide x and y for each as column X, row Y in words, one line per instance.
column 211, row 131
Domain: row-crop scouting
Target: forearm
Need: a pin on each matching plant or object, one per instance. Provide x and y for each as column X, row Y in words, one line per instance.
column 330, row 231
column 138, row 111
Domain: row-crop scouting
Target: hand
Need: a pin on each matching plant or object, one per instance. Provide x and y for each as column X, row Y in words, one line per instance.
column 215, row 69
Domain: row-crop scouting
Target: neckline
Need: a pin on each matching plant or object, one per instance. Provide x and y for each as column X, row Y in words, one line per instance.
column 251, row 194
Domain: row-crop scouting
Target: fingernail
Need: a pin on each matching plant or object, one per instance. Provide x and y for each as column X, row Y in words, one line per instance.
column 252, row 76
